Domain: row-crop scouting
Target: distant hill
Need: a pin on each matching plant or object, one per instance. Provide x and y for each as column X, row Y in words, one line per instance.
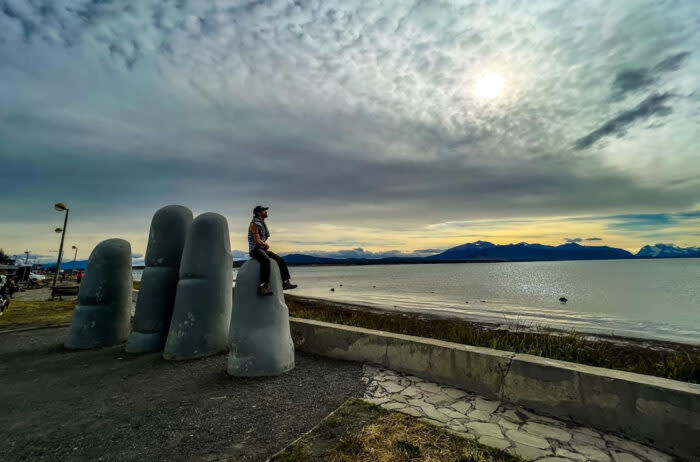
column 668, row 251
column 482, row 251
column 468, row 251
column 67, row 265
column 524, row 251
column 293, row 258
column 303, row 259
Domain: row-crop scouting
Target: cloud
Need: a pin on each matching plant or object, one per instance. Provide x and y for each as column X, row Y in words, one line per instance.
column 632, row 79
column 653, row 221
column 339, row 113
column 33, row 258
column 428, row 251
column 361, row 253
column 672, row 63
column 581, row 239
column 653, row 105
column 688, row 215
column 325, row 243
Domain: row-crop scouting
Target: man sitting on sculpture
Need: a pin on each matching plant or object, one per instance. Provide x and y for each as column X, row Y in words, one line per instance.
column 260, row 250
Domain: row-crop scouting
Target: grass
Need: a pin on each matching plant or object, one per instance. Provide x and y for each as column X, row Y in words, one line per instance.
column 37, row 313
column 678, row 362
column 362, row 432
column 41, row 313
column 398, row 437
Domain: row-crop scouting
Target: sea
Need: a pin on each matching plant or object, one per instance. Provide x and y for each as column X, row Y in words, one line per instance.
column 650, row 299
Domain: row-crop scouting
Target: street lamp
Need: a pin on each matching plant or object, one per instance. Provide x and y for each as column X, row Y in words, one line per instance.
column 74, row 255
column 60, row 207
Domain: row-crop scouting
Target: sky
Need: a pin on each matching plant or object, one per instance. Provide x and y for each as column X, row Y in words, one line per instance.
column 369, row 128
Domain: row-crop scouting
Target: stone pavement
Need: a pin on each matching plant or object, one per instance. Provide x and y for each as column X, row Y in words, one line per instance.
column 499, row 425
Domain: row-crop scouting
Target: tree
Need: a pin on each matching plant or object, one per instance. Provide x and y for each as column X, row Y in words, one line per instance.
column 4, row 258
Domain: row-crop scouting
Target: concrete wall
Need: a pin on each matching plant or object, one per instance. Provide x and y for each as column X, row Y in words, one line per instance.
column 660, row 412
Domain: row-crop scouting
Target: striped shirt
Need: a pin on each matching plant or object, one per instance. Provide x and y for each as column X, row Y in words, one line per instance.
column 262, row 231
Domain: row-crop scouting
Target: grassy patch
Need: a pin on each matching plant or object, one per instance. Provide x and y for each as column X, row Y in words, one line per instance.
column 362, row 432
column 398, row 437
column 297, row 452
column 37, row 313
column 679, row 362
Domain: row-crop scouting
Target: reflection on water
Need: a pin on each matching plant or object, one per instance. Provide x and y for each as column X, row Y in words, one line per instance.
column 640, row 298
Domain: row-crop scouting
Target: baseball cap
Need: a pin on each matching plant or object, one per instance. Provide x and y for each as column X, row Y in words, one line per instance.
column 259, row 208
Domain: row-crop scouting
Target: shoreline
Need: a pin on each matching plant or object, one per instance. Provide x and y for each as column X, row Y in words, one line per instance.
column 644, row 342
column 665, row 359
column 625, row 341
column 379, row 262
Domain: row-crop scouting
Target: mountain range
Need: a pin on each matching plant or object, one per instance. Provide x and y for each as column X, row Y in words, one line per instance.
column 523, row 251
column 485, row 251
column 668, row 251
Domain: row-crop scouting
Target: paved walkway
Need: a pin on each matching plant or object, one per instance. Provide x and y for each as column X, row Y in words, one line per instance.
column 498, row 424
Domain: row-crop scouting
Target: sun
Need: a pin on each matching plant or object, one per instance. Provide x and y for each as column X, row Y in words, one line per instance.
column 489, row 86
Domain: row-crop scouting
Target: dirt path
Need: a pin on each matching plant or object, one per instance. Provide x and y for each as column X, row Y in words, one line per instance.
column 106, row 405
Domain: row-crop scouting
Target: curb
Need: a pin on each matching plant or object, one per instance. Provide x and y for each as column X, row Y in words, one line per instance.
column 24, row 329
column 660, row 412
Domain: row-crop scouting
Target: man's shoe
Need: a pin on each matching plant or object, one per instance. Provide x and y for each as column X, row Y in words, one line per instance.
column 264, row 289
column 288, row 286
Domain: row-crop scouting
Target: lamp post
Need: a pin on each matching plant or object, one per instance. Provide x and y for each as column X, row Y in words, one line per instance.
column 26, row 252
column 75, row 254
column 60, row 207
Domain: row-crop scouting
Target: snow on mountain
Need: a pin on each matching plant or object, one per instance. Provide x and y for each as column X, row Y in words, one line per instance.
column 668, row 251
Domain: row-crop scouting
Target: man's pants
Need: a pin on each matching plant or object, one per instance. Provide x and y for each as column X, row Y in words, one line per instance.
column 263, row 256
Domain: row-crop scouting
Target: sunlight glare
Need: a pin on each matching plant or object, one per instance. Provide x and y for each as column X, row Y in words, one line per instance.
column 489, row 86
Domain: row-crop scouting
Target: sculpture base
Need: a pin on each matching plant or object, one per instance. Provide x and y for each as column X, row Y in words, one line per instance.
column 148, row 342
column 103, row 310
column 249, row 366
column 95, row 326
column 260, row 340
column 199, row 326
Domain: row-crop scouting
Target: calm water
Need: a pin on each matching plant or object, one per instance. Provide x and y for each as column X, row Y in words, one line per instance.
column 640, row 298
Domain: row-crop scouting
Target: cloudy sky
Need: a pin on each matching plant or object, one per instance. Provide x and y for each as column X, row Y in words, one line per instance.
column 392, row 126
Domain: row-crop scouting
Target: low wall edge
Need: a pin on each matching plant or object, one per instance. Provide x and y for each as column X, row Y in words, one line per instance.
column 661, row 412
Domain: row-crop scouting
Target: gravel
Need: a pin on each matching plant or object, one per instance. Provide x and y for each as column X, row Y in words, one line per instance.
column 107, row 405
